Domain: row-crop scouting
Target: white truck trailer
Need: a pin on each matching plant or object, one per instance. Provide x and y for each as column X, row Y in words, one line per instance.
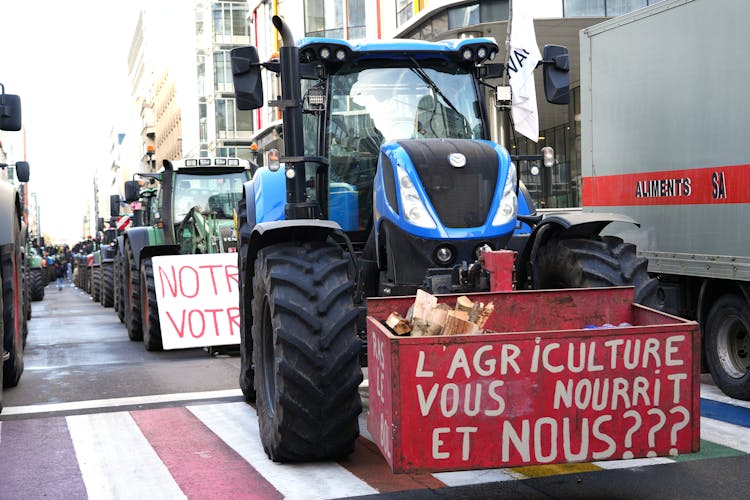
column 664, row 101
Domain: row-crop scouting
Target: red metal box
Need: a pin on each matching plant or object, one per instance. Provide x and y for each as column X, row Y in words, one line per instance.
column 546, row 388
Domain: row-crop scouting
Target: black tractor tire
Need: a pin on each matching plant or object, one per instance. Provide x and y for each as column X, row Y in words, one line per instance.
column 107, row 285
column 26, row 293
column 132, row 284
column 89, row 280
column 149, row 309
column 594, row 262
column 14, row 316
column 247, row 369
column 727, row 345
column 96, row 281
column 36, row 279
column 306, row 352
column 120, row 287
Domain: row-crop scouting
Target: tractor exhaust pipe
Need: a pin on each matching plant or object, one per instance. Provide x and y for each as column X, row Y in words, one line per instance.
column 291, row 112
column 287, row 39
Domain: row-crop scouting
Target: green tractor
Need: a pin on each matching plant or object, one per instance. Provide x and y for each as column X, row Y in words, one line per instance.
column 188, row 209
column 37, row 274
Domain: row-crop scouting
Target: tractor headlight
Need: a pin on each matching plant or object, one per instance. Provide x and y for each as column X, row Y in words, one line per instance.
column 509, row 202
column 414, row 210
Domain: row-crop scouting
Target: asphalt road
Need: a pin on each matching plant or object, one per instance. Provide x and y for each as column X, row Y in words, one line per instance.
column 80, row 362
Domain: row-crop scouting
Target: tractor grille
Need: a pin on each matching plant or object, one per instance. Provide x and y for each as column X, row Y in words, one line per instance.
column 230, row 240
column 461, row 196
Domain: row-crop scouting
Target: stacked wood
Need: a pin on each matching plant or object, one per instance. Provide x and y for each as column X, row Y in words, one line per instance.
column 427, row 318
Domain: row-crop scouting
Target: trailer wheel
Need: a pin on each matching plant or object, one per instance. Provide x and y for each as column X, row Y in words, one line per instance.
column 727, row 345
column 306, row 352
column 594, row 262
column 247, row 370
column 36, row 278
column 14, row 317
column 106, row 285
column 132, row 302
column 149, row 309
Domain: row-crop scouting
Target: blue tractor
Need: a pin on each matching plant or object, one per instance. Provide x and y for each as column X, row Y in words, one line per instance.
column 387, row 183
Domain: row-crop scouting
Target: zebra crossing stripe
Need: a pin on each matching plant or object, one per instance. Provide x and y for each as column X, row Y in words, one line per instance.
column 714, row 393
column 237, row 425
column 725, row 434
column 37, row 460
column 116, row 460
column 203, row 466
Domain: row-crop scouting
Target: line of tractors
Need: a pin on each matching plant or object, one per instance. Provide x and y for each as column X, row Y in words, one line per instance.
column 387, row 181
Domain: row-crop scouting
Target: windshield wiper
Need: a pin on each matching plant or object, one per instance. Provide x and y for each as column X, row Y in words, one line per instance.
column 420, row 72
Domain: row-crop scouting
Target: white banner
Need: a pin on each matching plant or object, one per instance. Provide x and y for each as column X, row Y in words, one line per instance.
column 523, row 56
column 198, row 299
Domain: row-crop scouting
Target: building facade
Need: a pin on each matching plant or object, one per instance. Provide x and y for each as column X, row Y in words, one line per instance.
column 555, row 21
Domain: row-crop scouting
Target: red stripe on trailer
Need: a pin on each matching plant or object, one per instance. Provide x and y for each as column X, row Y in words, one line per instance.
column 201, row 464
column 698, row 186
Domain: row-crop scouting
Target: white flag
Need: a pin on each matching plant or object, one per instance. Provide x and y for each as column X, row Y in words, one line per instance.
column 523, row 56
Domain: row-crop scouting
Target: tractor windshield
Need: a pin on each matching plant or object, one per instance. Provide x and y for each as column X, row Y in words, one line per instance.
column 213, row 194
column 372, row 102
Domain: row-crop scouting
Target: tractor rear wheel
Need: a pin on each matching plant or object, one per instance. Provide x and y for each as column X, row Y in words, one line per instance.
column 149, row 309
column 36, row 277
column 132, row 300
column 96, row 280
column 120, row 286
column 247, row 370
column 14, row 316
column 594, row 262
column 727, row 345
column 106, row 285
column 306, row 352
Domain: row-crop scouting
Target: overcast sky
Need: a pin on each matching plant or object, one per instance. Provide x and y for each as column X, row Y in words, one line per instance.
column 67, row 60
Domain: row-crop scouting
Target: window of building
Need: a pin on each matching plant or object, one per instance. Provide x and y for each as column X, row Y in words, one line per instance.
column 602, row 8
column 203, row 123
column 460, row 17
column 335, row 18
column 230, row 121
column 356, row 22
column 324, row 18
column 223, row 71
column 230, row 20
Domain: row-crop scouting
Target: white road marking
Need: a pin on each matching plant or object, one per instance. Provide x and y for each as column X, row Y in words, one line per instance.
column 237, row 425
column 714, row 394
column 116, row 460
column 725, row 434
column 117, row 402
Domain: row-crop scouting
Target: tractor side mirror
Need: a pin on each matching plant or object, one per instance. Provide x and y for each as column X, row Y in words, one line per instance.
column 114, row 205
column 10, row 112
column 22, row 171
column 556, row 74
column 131, row 191
column 248, row 86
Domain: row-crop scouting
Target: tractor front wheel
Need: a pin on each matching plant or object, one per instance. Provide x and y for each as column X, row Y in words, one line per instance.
column 14, row 316
column 306, row 352
column 594, row 262
column 107, row 284
column 247, row 370
column 132, row 300
column 36, row 276
column 149, row 309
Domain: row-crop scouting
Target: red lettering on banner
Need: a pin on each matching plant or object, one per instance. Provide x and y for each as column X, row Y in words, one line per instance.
column 191, row 323
column 165, row 280
column 211, row 271
column 233, row 315
column 216, row 322
column 232, row 275
column 182, row 282
column 181, row 329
